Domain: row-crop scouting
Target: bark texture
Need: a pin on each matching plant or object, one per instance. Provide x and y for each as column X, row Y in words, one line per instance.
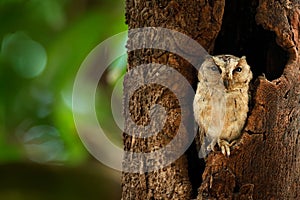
column 266, row 163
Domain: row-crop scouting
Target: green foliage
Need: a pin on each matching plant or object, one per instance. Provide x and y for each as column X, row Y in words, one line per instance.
column 43, row 43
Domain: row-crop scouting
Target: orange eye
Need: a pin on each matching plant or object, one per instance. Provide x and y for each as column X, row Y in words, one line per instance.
column 238, row 69
column 215, row 68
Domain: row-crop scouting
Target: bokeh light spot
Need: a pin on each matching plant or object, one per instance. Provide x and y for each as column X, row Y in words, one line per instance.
column 43, row 144
column 27, row 57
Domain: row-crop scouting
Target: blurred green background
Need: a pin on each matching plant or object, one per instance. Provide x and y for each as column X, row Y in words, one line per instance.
column 43, row 43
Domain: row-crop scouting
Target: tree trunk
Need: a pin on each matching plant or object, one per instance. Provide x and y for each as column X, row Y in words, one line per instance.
column 266, row 163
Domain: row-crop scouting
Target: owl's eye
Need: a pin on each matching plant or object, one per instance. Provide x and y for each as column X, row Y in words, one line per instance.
column 238, row 69
column 215, row 68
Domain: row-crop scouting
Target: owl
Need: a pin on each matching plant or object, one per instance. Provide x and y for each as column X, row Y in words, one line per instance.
column 221, row 101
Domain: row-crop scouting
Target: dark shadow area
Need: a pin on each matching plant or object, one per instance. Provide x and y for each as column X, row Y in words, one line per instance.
column 29, row 181
column 240, row 35
column 196, row 168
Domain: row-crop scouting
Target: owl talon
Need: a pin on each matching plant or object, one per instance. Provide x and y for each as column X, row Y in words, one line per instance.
column 211, row 146
column 225, row 147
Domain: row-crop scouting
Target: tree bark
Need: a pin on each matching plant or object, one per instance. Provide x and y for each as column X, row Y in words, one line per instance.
column 266, row 162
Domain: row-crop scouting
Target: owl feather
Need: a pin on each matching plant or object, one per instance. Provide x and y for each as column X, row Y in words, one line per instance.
column 221, row 101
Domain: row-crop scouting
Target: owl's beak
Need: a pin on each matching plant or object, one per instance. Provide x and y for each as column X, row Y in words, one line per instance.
column 226, row 83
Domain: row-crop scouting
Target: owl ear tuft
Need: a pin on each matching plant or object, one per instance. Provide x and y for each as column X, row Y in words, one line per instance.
column 208, row 57
column 217, row 60
column 243, row 60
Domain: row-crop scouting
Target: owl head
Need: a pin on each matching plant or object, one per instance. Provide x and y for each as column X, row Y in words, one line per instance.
column 225, row 72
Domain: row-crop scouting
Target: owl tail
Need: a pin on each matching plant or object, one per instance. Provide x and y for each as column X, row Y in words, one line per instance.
column 200, row 143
